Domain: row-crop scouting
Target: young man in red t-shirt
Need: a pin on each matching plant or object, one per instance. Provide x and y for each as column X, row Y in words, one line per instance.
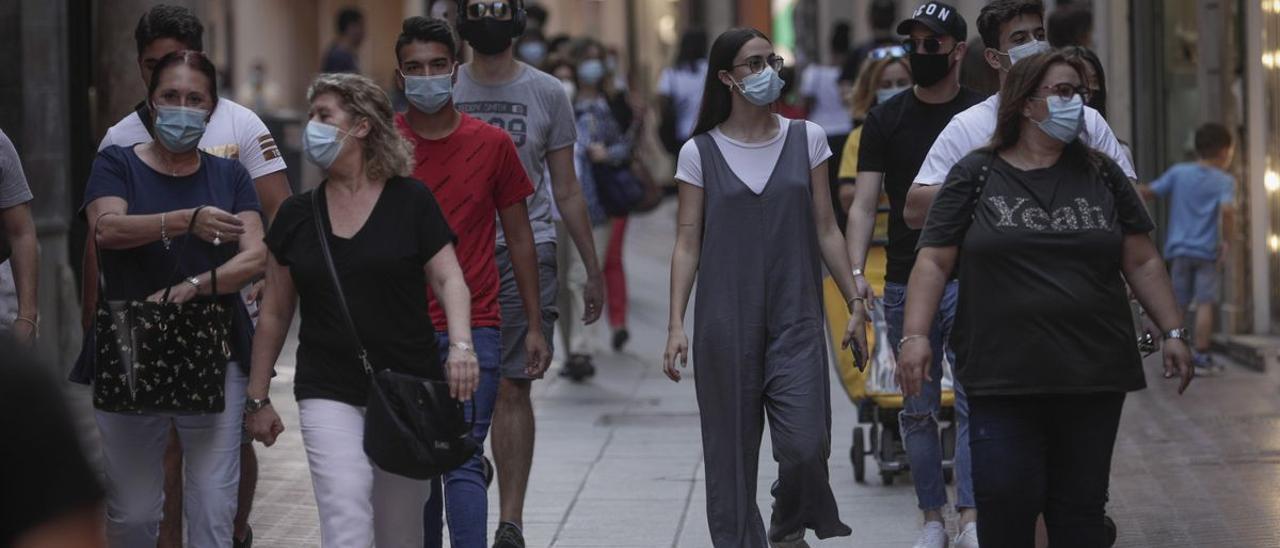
column 474, row 171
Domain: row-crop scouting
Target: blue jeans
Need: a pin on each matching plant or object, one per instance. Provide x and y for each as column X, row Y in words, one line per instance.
column 919, row 418
column 465, row 494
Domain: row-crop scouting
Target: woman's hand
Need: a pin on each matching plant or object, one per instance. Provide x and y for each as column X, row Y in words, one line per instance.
column 1177, row 363
column 598, row 153
column 913, row 365
column 180, row 293
column 217, row 227
column 538, row 353
column 855, row 335
column 677, row 348
column 264, row 425
column 463, row 370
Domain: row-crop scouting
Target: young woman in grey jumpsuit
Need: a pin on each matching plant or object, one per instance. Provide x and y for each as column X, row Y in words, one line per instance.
column 759, row 346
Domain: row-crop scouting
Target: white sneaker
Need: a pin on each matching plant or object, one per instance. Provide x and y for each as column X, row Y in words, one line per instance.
column 934, row 535
column 968, row 538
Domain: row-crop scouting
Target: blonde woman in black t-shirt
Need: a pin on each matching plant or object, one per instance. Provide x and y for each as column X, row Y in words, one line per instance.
column 389, row 243
column 1045, row 233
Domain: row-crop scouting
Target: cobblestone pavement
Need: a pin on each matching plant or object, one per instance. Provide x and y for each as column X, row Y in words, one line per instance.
column 618, row 459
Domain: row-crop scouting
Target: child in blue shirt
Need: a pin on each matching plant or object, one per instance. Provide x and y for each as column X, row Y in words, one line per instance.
column 1200, row 195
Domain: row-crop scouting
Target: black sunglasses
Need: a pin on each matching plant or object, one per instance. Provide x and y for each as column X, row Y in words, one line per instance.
column 496, row 10
column 925, row 45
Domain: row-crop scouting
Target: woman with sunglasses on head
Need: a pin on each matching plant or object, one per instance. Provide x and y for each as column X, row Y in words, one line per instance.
column 885, row 74
column 755, row 224
column 390, row 242
column 1045, row 232
column 165, row 216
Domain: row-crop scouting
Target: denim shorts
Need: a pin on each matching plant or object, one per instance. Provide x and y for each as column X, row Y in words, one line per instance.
column 1194, row 280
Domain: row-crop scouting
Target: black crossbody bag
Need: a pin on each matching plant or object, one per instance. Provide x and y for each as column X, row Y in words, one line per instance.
column 413, row 427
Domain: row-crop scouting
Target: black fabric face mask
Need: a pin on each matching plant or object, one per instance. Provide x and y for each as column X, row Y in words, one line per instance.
column 487, row 35
column 929, row 69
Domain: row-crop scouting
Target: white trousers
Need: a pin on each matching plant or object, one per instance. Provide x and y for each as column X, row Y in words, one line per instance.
column 133, row 449
column 360, row 505
column 587, row 340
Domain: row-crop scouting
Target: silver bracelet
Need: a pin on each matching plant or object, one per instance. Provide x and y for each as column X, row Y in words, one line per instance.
column 909, row 338
column 164, row 232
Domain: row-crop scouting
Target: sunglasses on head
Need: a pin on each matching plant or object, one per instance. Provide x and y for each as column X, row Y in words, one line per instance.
column 924, row 45
column 496, row 10
column 887, row 52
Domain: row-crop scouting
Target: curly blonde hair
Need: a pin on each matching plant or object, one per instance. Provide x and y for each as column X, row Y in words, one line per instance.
column 386, row 152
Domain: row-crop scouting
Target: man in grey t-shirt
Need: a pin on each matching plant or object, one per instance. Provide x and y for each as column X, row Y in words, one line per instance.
column 533, row 108
column 19, row 310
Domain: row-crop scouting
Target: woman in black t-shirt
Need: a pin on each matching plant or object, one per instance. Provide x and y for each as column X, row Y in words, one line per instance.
column 389, row 242
column 1047, row 232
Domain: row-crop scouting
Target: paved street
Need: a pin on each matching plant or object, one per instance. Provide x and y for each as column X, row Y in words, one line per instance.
column 618, row 459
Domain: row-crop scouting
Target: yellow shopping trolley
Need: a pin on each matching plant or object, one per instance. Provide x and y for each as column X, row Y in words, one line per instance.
column 873, row 391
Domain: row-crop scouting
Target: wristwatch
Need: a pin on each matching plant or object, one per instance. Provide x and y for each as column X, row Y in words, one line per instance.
column 857, row 272
column 463, row 347
column 194, row 281
column 252, row 406
column 1179, row 333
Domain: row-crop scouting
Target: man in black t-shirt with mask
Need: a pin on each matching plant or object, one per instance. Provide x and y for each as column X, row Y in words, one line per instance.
column 896, row 138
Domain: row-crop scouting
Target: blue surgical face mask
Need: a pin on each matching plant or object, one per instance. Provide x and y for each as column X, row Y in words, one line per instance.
column 179, row 129
column 322, row 144
column 884, row 94
column 1066, row 118
column 761, row 89
column 591, row 72
column 428, row 93
column 1026, row 50
column 533, row 53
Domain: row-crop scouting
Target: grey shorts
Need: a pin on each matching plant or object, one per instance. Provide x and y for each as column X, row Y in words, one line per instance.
column 515, row 326
column 1194, row 280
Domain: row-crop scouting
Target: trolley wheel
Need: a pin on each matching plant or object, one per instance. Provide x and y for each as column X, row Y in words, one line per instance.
column 886, row 478
column 859, row 455
column 1111, row 532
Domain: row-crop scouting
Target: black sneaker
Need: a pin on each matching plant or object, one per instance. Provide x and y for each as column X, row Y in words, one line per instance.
column 620, row 339
column 508, row 536
column 578, row 368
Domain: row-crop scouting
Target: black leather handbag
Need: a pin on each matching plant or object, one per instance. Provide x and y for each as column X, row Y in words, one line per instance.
column 413, row 427
column 161, row 357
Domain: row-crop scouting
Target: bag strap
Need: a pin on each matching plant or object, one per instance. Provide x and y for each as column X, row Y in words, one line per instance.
column 102, row 277
column 323, row 235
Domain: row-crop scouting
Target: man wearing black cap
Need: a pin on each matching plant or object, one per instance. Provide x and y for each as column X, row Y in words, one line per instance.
column 895, row 139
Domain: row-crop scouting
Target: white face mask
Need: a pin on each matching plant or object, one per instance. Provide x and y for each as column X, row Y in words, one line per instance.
column 1018, row 53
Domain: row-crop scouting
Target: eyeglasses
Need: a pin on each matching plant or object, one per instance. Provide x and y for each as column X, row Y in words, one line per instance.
column 496, row 10
column 1066, row 91
column 756, row 64
column 925, row 45
column 886, row 52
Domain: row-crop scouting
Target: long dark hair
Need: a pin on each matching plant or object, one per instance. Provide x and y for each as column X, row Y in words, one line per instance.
column 717, row 102
column 1022, row 83
column 1099, row 100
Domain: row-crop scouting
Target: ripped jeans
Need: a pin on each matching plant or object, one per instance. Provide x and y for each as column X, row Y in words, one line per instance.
column 918, row 419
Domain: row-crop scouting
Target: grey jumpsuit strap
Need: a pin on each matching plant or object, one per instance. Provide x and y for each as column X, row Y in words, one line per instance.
column 759, row 349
